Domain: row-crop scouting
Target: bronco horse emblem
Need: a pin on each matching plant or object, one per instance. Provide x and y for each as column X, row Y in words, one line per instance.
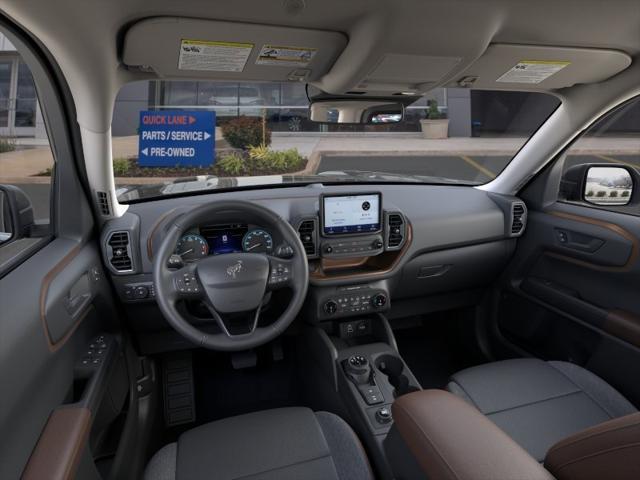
column 234, row 270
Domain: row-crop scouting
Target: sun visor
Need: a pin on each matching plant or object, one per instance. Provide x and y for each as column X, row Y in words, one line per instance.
column 527, row 67
column 190, row 48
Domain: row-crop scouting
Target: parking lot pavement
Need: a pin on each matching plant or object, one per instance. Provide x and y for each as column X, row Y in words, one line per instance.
column 472, row 168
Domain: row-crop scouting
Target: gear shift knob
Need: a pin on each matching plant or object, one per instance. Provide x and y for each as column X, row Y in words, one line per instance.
column 358, row 368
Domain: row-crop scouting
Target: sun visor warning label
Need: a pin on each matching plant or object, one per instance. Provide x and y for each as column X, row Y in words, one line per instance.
column 532, row 71
column 285, row 56
column 213, row 56
column 176, row 138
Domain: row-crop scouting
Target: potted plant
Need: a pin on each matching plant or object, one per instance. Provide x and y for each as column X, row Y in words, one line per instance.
column 436, row 125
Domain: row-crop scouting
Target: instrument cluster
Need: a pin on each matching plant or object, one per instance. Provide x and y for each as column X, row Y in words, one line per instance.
column 208, row 240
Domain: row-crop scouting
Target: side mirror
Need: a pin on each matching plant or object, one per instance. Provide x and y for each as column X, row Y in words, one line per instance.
column 16, row 214
column 604, row 185
column 608, row 186
column 356, row 111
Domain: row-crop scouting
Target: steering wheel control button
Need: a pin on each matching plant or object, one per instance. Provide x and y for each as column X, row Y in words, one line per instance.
column 175, row 261
column 187, row 284
column 279, row 274
column 383, row 415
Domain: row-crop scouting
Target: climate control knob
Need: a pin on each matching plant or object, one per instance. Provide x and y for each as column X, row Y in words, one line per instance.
column 379, row 300
column 330, row 307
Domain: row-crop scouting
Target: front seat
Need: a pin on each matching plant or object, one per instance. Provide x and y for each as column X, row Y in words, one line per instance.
column 283, row 444
column 539, row 403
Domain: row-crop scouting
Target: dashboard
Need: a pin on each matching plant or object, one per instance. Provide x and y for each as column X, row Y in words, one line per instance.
column 399, row 249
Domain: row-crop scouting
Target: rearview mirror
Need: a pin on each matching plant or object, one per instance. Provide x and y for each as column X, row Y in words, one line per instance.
column 356, row 111
column 608, row 186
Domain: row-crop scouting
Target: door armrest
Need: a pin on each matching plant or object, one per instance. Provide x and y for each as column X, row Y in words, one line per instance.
column 450, row 439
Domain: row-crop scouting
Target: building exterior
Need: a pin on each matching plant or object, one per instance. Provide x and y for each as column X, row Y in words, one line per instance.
column 470, row 112
column 20, row 114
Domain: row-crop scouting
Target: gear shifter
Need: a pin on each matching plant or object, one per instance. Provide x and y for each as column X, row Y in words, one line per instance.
column 359, row 370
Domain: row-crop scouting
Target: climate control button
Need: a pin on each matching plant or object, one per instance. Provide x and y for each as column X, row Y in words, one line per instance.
column 330, row 307
column 379, row 300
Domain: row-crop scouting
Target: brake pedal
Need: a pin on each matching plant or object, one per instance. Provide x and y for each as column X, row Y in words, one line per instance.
column 177, row 382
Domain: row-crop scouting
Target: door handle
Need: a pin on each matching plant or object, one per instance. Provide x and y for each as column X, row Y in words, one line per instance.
column 79, row 296
column 578, row 241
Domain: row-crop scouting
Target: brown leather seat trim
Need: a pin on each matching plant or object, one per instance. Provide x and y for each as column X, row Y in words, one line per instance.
column 57, row 454
column 608, row 450
column 452, row 440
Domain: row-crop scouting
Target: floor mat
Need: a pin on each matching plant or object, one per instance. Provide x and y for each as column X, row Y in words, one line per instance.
column 434, row 350
column 223, row 392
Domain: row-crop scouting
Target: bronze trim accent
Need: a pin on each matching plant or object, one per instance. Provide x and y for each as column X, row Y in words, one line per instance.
column 342, row 263
column 152, row 232
column 635, row 243
column 44, row 290
column 623, row 325
column 361, row 267
column 57, row 454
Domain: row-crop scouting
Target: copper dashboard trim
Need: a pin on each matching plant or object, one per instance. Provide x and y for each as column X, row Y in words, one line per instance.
column 152, row 231
column 374, row 266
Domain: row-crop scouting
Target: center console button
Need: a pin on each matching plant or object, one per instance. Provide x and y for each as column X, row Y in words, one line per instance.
column 383, row 415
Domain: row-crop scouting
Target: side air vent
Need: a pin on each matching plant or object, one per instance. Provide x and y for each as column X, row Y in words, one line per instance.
column 518, row 218
column 103, row 203
column 396, row 231
column 119, row 252
column 308, row 232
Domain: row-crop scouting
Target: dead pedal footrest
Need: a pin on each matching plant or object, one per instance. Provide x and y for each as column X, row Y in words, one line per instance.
column 177, row 382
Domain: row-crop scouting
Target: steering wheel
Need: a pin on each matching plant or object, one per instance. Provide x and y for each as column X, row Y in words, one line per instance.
column 231, row 284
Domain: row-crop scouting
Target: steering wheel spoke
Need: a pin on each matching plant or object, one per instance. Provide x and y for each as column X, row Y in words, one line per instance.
column 280, row 273
column 225, row 326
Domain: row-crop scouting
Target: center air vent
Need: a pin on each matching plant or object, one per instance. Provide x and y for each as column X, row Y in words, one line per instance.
column 307, row 231
column 518, row 218
column 396, row 231
column 119, row 252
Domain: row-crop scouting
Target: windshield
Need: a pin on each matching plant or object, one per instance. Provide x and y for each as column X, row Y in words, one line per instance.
column 175, row 137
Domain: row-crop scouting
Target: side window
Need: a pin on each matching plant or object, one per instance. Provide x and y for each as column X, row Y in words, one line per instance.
column 26, row 161
column 613, row 143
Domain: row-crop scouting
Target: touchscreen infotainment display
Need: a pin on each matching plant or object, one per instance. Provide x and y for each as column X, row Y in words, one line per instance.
column 349, row 214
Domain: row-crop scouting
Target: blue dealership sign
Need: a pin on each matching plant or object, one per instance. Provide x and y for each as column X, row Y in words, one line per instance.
column 176, row 138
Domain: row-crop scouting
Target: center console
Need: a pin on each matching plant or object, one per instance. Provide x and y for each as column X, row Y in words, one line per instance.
column 357, row 372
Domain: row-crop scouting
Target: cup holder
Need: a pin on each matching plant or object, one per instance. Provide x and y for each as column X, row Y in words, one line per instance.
column 392, row 367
